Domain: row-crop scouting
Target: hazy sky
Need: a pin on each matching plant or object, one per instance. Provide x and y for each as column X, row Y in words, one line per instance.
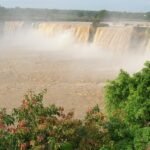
column 124, row 5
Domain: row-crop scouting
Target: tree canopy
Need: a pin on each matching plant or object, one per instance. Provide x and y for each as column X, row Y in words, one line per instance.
column 32, row 14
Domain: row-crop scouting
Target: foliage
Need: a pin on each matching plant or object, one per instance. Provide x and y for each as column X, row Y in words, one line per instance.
column 147, row 15
column 33, row 126
column 30, row 14
column 128, row 107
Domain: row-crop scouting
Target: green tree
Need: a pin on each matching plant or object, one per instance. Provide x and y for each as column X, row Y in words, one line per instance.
column 147, row 15
column 128, row 107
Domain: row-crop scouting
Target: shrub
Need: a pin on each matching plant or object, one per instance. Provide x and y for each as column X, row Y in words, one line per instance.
column 33, row 126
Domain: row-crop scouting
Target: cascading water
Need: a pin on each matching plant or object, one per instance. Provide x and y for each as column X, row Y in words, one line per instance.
column 80, row 31
column 10, row 27
column 113, row 38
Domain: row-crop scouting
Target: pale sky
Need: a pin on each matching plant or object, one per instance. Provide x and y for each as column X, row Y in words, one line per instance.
column 117, row 5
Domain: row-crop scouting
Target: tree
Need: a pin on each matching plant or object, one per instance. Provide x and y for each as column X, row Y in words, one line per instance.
column 147, row 16
column 128, row 107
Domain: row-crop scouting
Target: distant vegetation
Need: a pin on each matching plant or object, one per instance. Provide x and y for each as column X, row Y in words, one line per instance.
column 126, row 125
column 67, row 15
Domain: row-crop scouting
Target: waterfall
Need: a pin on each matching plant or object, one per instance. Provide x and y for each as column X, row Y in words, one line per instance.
column 12, row 26
column 80, row 31
column 114, row 38
column 123, row 38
